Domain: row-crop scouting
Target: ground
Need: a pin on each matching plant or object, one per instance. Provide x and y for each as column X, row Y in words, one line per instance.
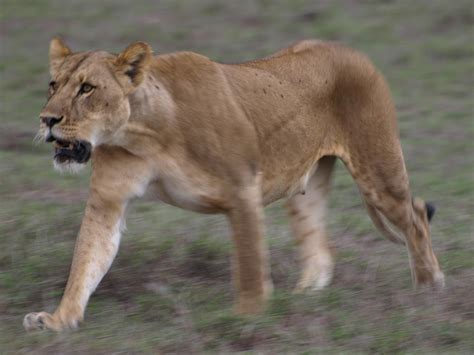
column 169, row 289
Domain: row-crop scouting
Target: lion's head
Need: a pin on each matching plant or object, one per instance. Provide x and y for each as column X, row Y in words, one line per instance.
column 88, row 99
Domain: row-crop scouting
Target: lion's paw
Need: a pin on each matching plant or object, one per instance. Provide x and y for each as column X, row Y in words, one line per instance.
column 438, row 280
column 434, row 280
column 34, row 321
column 44, row 320
column 316, row 275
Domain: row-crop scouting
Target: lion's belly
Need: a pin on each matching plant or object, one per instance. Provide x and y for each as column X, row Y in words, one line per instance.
column 188, row 189
column 207, row 199
column 287, row 184
column 186, row 197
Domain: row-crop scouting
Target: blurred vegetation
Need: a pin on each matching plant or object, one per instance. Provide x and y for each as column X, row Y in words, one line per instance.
column 169, row 289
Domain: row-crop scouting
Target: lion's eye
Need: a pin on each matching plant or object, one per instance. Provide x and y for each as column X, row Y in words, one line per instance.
column 85, row 88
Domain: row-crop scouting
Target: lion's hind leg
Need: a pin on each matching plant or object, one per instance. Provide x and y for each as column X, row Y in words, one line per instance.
column 383, row 182
column 307, row 215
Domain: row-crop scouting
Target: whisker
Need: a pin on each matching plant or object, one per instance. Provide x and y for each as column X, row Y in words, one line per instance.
column 39, row 137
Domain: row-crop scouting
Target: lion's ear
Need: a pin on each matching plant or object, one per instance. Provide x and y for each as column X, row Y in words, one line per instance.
column 58, row 51
column 134, row 61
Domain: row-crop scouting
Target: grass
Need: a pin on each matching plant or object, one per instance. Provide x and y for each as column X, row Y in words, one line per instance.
column 169, row 289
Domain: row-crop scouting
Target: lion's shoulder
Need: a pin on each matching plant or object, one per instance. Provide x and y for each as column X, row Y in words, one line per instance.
column 182, row 61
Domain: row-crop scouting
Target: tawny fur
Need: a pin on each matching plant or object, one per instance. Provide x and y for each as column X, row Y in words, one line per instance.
column 230, row 139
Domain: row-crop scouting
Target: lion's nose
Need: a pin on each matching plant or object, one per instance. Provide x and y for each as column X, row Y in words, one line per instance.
column 51, row 121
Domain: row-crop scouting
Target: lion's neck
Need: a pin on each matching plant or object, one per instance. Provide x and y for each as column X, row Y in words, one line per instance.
column 151, row 103
column 152, row 115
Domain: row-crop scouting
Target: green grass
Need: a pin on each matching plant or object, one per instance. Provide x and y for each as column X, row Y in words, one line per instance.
column 169, row 290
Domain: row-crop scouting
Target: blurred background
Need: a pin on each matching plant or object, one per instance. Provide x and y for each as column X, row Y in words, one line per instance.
column 169, row 289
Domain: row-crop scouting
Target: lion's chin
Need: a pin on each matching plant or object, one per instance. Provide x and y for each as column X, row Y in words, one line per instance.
column 69, row 167
column 70, row 156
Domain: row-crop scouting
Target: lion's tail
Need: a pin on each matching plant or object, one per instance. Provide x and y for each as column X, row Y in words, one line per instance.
column 379, row 220
column 384, row 226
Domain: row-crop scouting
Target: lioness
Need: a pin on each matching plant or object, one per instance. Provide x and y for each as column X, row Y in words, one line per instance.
column 219, row 138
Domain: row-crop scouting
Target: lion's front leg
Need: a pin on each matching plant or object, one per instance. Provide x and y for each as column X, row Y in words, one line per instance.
column 251, row 272
column 96, row 247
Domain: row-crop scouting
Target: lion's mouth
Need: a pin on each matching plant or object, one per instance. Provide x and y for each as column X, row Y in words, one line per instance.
column 77, row 151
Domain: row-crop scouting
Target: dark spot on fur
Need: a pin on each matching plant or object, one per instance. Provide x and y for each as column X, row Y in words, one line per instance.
column 282, row 96
column 281, row 83
column 157, row 87
column 107, row 104
column 299, row 81
column 430, row 210
column 264, row 91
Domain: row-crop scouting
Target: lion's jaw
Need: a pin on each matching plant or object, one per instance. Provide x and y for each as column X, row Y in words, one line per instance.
column 71, row 154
